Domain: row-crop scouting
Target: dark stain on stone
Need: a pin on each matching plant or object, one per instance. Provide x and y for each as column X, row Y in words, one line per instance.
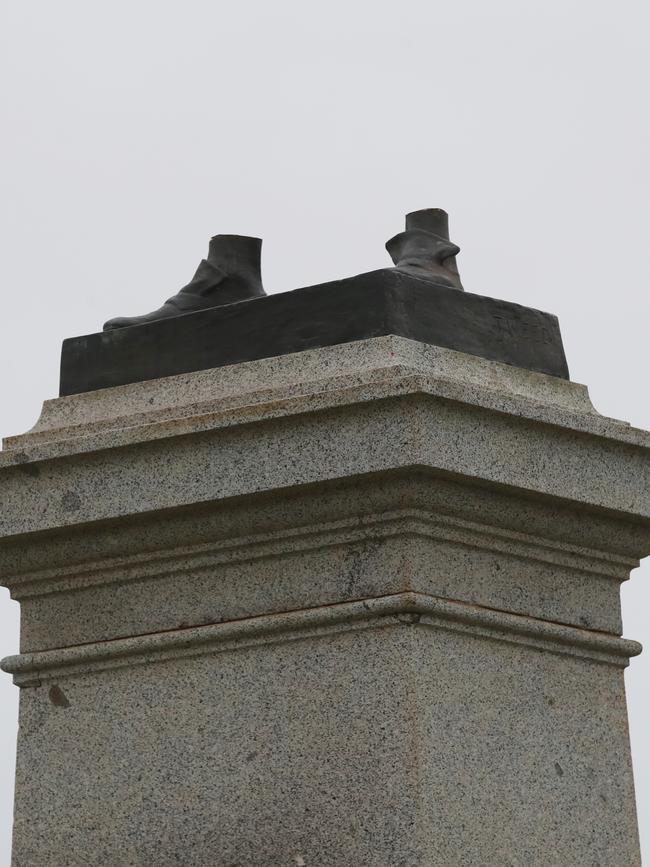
column 58, row 697
column 558, row 769
column 251, row 756
column 353, row 567
column 25, row 463
column 71, row 502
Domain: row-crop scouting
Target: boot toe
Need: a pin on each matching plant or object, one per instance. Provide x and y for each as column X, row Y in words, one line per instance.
column 121, row 322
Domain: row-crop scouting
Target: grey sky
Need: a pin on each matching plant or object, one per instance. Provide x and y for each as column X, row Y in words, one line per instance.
column 133, row 130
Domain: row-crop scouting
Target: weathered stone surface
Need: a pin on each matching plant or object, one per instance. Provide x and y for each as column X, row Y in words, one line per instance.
column 408, row 530
column 483, row 420
column 365, row 614
column 401, row 731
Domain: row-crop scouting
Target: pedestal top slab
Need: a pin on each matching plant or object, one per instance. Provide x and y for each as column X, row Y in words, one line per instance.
column 336, row 412
column 362, row 370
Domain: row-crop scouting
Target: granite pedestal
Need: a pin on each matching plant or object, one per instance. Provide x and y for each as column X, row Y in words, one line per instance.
column 356, row 606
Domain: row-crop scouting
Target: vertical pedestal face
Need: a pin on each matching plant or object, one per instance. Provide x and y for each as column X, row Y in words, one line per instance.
column 390, row 740
column 367, row 614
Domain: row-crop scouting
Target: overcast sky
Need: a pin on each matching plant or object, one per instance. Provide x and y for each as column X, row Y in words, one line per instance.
column 134, row 130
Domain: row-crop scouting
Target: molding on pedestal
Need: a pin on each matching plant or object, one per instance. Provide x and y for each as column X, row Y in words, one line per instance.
column 399, row 609
column 401, row 523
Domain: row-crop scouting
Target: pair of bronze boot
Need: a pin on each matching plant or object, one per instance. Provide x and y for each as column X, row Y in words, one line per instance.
column 232, row 271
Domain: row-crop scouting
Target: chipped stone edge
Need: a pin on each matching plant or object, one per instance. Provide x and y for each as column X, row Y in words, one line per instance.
column 410, row 609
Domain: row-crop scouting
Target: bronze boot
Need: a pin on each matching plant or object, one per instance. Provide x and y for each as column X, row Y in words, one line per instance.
column 424, row 249
column 231, row 273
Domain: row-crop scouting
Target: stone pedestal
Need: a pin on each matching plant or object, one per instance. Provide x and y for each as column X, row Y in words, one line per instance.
column 352, row 606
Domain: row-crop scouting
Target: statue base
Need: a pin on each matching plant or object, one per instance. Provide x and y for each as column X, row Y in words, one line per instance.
column 351, row 606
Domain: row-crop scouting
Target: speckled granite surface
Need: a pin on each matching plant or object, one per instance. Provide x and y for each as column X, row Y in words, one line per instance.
column 354, row 606
column 403, row 738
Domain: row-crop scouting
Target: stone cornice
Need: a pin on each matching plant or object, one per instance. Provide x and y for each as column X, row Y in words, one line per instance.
column 402, row 523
